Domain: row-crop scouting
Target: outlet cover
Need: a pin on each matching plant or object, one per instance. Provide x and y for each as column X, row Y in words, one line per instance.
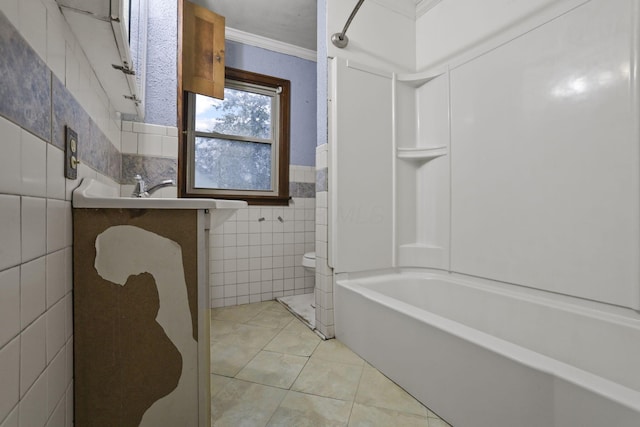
column 71, row 154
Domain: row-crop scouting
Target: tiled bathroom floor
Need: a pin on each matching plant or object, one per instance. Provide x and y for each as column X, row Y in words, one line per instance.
column 268, row 369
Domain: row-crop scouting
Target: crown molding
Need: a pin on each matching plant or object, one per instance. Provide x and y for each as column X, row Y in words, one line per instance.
column 269, row 44
column 424, row 6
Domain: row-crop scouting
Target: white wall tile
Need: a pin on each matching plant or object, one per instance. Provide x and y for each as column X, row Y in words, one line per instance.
column 33, row 409
column 59, row 414
column 33, row 161
column 10, row 9
column 72, row 68
column 242, row 214
column 33, row 300
column 10, row 250
column 56, row 382
column 32, row 354
column 56, row 273
column 129, row 142
column 310, row 175
column 149, row 145
column 172, row 131
column 56, row 43
column 56, row 182
column 33, row 228
column 10, row 165
column 69, row 408
column 68, row 224
column 322, row 158
column 321, row 199
column 217, row 292
column 9, row 305
column 68, row 323
column 12, row 419
column 149, row 128
column 33, row 25
column 9, row 377
column 170, row 146
column 56, row 225
column 69, row 269
column 56, row 333
column 69, row 367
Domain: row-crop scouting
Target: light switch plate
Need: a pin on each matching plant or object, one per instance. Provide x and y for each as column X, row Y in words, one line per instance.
column 71, row 154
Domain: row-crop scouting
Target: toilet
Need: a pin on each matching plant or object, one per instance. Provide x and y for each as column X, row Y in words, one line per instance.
column 309, row 261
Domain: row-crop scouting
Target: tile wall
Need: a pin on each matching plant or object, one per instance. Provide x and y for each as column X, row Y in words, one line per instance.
column 324, row 274
column 256, row 255
column 45, row 83
column 151, row 151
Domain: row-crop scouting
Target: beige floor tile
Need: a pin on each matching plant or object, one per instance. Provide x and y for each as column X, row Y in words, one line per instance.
column 437, row 422
column 274, row 369
column 298, row 328
column 333, row 350
column 239, row 333
column 329, row 379
column 271, row 319
column 218, row 382
column 276, row 306
column 377, row 390
column 243, row 404
column 297, row 342
column 303, row 410
column 239, row 313
column 369, row 416
column 228, row 360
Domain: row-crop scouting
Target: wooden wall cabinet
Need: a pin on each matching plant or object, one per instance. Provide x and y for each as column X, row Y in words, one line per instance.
column 202, row 51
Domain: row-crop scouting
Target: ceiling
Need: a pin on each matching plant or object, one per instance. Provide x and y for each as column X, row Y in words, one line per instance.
column 288, row 21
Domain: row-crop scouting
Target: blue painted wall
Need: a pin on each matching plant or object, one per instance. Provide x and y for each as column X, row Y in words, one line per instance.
column 302, row 74
column 161, row 80
column 323, row 76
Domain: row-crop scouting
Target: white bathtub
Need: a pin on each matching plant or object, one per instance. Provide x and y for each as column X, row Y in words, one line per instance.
column 481, row 354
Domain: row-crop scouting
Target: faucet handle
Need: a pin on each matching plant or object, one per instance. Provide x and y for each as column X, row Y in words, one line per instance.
column 139, row 189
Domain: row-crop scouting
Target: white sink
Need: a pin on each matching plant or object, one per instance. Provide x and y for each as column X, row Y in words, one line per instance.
column 95, row 194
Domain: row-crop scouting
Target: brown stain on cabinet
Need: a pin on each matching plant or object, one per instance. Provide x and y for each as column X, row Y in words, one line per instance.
column 124, row 361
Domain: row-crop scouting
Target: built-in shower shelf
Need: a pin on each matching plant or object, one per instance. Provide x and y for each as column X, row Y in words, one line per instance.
column 422, row 154
column 423, row 255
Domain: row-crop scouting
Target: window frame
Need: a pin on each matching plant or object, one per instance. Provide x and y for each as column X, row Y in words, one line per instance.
column 280, row 159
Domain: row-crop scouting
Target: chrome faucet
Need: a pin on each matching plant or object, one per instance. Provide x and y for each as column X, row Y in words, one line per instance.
column 141, row 190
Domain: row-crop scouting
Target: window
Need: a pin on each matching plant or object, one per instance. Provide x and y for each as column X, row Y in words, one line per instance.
column 238, row 147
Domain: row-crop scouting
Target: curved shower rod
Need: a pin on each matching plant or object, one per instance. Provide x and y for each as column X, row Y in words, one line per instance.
column 340, row 39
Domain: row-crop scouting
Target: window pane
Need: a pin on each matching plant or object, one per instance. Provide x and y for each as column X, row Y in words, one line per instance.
column 241, row 113
column 232, row 165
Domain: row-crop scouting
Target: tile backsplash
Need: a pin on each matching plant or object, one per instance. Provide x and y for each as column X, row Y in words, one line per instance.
column 324, row 273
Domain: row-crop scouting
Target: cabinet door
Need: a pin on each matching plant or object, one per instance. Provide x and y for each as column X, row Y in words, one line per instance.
column 202, row 51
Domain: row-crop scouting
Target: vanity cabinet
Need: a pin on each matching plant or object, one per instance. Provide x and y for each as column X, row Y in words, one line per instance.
column 141, row 317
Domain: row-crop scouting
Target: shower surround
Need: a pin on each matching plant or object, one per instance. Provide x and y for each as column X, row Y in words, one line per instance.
column 503, row 178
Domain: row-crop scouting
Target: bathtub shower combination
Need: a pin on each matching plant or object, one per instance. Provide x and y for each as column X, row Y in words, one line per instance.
column 478, row 352
column 487, row 259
